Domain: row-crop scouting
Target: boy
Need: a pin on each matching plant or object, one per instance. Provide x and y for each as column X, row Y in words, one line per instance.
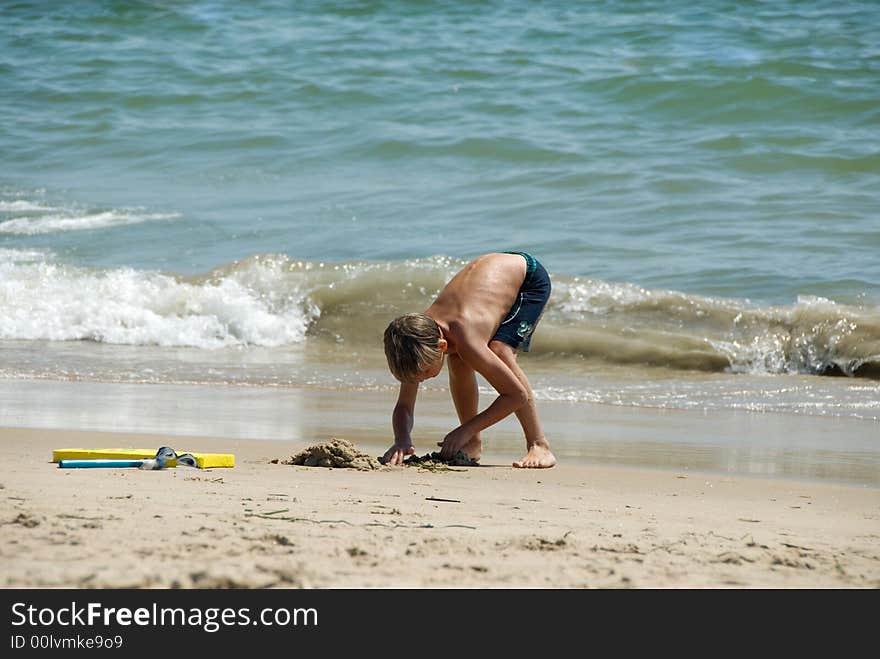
column 480, row 319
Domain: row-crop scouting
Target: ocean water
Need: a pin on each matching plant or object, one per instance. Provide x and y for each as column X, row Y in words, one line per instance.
column 244, row 194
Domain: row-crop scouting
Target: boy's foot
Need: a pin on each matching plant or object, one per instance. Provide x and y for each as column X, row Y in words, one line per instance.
column 538, row 457
column 473, row 449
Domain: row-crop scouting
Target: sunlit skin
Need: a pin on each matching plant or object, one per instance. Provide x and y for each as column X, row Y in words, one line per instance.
column 468, row 312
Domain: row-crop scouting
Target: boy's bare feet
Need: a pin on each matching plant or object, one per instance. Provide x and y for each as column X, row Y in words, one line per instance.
column 538, row 457
column 473, row 449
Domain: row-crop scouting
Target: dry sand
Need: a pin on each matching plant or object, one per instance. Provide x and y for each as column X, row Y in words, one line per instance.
column 265, row 524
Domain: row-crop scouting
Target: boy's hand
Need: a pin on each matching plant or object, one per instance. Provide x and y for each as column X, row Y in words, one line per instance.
column 397, row 453
column 453, row 443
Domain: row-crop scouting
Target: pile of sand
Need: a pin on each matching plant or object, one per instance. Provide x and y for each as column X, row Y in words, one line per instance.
column 334, row 453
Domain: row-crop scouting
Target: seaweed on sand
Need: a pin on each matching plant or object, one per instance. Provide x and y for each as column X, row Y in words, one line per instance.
column 433, row 461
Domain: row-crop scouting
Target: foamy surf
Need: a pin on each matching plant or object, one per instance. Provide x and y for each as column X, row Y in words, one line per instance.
column 625, row 324
column 42, row 300
column 273, row 300
column 23, row 206
column 77, row 221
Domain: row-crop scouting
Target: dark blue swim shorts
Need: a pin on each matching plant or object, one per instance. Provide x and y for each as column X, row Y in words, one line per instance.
column 519, row 323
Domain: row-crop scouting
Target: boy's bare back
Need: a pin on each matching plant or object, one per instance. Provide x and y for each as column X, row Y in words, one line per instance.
column 479, row 295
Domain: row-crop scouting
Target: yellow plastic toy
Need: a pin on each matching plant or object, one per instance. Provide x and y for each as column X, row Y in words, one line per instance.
column 203, row 460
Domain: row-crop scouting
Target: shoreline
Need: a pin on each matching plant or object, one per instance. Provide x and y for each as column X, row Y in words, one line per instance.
column 261, row 524
column 725, row 442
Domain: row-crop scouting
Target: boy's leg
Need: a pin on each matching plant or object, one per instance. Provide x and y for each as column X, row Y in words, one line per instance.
column 538, row 450
column 466, row 397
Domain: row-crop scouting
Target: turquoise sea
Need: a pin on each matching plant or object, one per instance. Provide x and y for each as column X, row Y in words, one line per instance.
column 244, row 194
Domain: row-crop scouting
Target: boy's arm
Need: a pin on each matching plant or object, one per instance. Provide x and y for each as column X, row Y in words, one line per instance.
column 402, row 423
column 511, row 395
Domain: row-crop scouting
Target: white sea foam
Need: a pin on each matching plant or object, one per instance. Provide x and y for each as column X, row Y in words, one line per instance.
column 47, row 301
column 24, row 206
column 9, row 256
column 597, row 297
column 72, row 221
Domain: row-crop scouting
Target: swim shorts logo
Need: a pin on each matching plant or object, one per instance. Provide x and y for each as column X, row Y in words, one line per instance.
column 525, row 329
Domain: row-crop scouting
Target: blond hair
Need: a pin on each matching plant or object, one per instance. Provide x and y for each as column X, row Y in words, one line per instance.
column 411, row 345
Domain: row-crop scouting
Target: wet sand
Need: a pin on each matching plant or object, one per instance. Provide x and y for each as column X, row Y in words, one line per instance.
column 791, row 446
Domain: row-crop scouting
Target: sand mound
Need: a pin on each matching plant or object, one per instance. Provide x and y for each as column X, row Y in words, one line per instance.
column 334, row 453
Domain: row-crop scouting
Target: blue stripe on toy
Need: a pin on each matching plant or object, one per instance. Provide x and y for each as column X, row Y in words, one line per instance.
column 92, row 464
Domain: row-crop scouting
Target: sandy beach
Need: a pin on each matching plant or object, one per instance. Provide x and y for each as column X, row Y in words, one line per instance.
column 210, row 213
column 268, row 524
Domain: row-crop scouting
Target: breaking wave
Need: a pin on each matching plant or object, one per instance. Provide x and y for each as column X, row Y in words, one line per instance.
column 274, row 300
column 41, row 218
